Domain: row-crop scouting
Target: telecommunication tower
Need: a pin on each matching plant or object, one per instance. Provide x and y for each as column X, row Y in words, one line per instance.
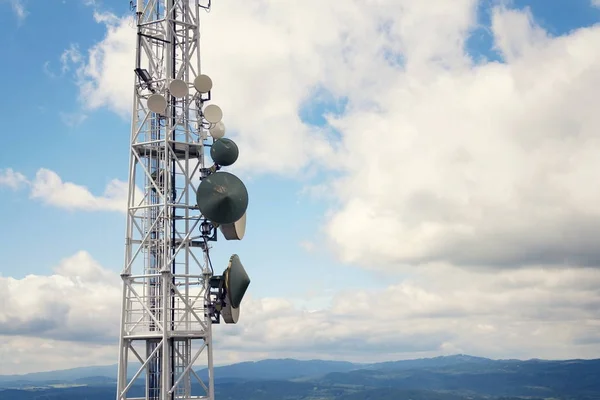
column 177, row 204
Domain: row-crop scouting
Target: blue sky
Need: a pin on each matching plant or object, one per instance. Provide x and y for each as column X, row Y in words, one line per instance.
column 48, row 125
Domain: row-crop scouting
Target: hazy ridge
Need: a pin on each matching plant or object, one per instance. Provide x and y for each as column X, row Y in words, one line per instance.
column 440, row 378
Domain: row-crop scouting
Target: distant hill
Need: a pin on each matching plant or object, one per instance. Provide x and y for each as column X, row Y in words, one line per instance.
column 65, row 375
column 253, row 370
column 459, row 377
column 512, row 378
column 275, row 369
column 435, row 362
column 280, row 369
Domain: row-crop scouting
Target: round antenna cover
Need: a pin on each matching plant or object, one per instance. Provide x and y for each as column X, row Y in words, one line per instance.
column 157, row 103
column 236, row 230
column 213, row 113
column 217, row 131
column 179, row 88
column 230, row 315
column 203, row 83
column 222, row 198
column 224, row 152
column 236, row 281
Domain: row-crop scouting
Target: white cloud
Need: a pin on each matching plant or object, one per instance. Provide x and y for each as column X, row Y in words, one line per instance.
column 596, row 3
column 18, row 7
column 535, row 312
column 103, row 76
column 72, row 309
column 480, row 165
column 50, row 189
column 12, row 179
column 48, row 71
column 69, row 56
column 444, row 158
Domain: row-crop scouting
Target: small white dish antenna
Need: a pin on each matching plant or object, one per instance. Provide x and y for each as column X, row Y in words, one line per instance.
column 203, row 83
column 179, row 88
column 213, row 113
column 157, row 103
column 217, row 131
column 236, row 230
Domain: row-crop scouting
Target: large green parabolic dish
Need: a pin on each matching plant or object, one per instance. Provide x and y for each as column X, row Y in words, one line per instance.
column 224, row 152
column 236, row 281
column 222, row 198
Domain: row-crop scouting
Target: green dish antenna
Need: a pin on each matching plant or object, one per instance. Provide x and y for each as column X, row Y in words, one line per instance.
column 224, row 152
column 222, row 198
column 236, row 281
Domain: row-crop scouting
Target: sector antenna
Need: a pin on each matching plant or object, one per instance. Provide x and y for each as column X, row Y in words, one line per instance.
column 180, row 202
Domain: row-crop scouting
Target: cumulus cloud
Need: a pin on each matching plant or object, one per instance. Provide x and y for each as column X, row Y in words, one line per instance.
column 533, row 312
column 12, row 179
column 446, row 158
column 101, row 73
column 485, row 165
column 76, row 304
column 49, row 188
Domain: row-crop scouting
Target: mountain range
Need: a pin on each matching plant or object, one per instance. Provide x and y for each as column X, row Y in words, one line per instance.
column 440, row 378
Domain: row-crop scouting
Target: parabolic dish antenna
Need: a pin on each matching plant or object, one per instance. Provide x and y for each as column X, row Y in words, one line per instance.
column 222, row 198
column 203, row 83
column 157, row 103
column 179, row 88
column 217, row 131
column 224, row 152
column 213, row 113
column 236, row 230
column 236, row 281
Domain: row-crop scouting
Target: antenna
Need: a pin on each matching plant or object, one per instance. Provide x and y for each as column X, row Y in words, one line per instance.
column 171, row 295
column 213, row 114
column 179, row 88
column 203, row 83
column 157, row 103
column 217, row 131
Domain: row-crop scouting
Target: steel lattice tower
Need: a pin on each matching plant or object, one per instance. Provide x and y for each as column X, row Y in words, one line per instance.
column 171, row 297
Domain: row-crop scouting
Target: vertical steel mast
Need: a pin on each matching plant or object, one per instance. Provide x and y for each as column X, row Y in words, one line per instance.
column 171, row 297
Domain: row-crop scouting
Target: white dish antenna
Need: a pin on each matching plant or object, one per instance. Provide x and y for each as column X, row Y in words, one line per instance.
column 236, row 230
column 203, row 83
column 179, row 88
column 213, row 113
column 217, row 131
column 157, row 103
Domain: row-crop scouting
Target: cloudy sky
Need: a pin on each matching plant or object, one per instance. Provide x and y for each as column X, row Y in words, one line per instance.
column 423, row 177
